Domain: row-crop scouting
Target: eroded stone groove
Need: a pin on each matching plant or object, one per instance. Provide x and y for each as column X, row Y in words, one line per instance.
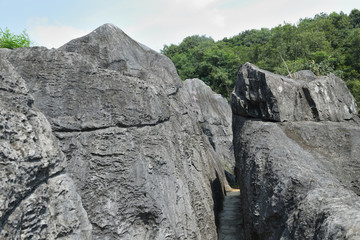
column 119, row 125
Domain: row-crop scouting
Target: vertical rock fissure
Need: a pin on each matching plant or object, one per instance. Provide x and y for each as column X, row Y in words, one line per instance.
column 218, row 198
column 311, row 103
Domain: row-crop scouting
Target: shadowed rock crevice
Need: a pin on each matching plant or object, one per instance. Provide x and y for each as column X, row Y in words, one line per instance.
column 311, row 103
column 209, row 134
column 218, row 198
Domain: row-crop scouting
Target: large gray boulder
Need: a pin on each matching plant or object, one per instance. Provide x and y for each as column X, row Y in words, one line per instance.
column 298, row 179
column 133, row 148
column 214, row 115
column 261, row 94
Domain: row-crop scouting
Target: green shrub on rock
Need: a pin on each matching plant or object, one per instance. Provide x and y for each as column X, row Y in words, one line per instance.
column 11, row 40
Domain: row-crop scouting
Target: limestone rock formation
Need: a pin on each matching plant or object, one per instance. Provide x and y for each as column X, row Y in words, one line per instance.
column 261, row 94
column 214, row 115
column 299, row 172
column 38, row 199
column 129, row 144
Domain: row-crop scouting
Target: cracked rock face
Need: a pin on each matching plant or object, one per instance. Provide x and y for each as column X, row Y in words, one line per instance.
column 299, row 178
column 128, row 142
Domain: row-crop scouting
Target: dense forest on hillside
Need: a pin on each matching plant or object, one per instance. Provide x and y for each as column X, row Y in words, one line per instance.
column 326, row 43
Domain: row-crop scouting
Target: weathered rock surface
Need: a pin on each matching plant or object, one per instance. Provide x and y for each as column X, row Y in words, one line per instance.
column 299, row 179
column 38, row 200
column 215, row 117
column 132, row 145
column 261, row 94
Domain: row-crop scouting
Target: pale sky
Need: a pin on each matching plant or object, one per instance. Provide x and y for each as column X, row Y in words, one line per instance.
column 52, row 23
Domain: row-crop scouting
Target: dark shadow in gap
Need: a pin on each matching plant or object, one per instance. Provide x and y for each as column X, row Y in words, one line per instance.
column 218, row 198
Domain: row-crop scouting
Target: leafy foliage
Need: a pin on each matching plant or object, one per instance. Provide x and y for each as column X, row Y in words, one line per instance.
column 10, row 40
column 326, row 43
column 200, row 57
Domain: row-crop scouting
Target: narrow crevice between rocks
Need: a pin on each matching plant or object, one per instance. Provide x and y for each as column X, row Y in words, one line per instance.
column 43, row 177
column 218, row 198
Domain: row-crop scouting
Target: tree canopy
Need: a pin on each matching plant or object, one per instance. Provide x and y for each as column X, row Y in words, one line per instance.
column 325, row 43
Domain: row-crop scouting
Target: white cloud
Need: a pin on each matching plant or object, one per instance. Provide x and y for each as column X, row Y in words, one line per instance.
column 54, row 36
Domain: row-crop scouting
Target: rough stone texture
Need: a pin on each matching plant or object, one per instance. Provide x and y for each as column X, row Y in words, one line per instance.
column 37, row 199
column 304, row 75
column 110, row 48
column 299, row 179
column 261, row 94
column 134, row 149
column 215, row 117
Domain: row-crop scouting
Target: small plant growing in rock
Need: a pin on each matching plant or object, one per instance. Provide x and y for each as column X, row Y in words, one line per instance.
column 11, row 41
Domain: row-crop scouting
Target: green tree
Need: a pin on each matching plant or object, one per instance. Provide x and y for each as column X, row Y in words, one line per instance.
column 10, row 40
column 352, row 51
column 355, row 18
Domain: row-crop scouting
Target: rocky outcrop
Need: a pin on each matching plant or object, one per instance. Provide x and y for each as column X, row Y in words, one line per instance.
column 261, row 94
column 38, row 199
column 299, row 170
column 214, row 115
column 132, row 147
